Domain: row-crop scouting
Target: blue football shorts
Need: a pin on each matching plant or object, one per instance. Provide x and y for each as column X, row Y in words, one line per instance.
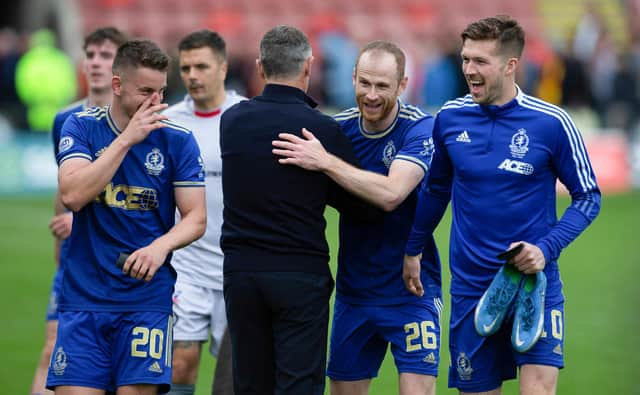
column 52, row 307
column 360, row 335
column 107, row 350
column 481, row 364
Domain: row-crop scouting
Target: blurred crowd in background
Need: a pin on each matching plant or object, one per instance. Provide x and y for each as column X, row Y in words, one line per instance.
column 581, row 54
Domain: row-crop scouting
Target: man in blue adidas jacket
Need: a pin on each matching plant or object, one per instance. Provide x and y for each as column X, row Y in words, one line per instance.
column 499, row 154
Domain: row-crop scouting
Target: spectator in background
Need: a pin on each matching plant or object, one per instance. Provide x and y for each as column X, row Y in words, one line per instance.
column 198, row 302
column 576, row 85
column 100, row 47
column 588, row 31
column 339, row 56
column 602, row 69
column 622, row 110
column 236, row 75
column 45, row 80
column 11, row 107
column 551, row 73
column 442, row 80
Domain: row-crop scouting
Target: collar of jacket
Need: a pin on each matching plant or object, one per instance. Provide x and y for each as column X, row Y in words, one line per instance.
column 286, row 93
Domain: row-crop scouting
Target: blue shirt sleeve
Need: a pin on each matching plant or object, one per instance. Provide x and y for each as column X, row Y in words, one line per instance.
column 418, row 146
column 190, row 170
column 571, row 163
column 433, row 197
column 73, row 141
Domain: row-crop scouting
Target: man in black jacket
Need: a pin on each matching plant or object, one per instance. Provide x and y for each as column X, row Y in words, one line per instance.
column 277, row 281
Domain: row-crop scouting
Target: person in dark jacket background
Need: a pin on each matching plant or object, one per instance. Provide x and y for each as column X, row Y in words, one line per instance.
column 277, row 282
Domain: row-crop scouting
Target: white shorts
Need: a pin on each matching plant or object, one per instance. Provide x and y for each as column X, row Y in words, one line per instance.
column 200, row 312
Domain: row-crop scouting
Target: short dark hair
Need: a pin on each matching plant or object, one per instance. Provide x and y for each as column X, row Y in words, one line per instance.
column 204, row 38
column 103, row 34
column 389, row 47
column 140, row 53
column 506, row 30
column 283, row 51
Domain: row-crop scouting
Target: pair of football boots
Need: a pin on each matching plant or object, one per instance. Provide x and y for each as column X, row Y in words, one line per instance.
column 525, row 294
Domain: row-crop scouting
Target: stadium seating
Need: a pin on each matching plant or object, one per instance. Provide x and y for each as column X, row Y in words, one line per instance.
column 246, row 20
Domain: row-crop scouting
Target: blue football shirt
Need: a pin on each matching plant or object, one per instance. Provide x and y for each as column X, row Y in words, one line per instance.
column 499, row 166
column 136, row 207
column 371, row 255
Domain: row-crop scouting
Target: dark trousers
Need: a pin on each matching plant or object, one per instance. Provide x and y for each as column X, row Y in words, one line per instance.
column 223, row 376
column 278, row 325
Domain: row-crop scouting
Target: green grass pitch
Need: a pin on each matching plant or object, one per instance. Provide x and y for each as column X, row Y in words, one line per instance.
column 599, row 272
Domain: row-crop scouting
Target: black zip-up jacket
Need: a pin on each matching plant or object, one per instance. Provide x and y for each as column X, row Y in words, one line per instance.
column 273, row 213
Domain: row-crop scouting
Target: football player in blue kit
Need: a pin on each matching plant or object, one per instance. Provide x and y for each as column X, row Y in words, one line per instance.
column 498, row 156
column 392, row 141
column 123, row 170
column 100, row 48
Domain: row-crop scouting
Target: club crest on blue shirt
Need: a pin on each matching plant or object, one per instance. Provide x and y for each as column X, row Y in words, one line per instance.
column 389, row 153
column 65, row 143
column 519, row 144
column 154, row 162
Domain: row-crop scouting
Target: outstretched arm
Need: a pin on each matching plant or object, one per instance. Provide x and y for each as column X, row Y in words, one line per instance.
column 387, row 192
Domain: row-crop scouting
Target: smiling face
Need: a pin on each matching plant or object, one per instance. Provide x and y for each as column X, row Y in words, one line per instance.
column 377, row 88
column 136, row 85
column 490, row 76
column 98, row 58
column 203, row 74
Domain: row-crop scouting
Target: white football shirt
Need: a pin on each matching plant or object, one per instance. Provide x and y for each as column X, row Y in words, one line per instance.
column 201, row 262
